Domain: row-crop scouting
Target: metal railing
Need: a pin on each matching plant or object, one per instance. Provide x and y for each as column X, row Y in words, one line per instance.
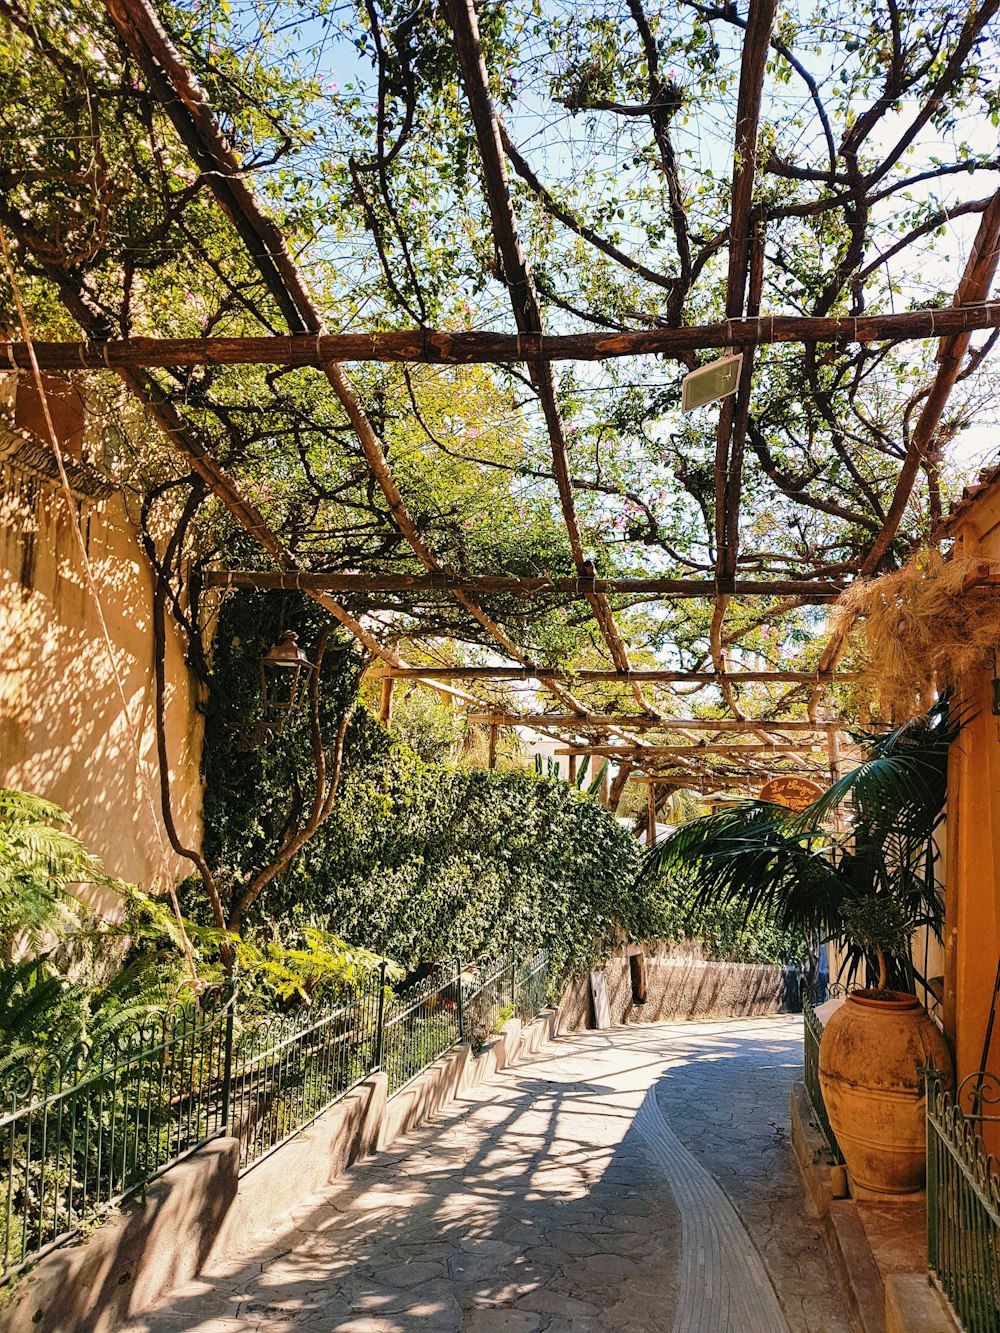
column 80, row 1137
column 812, row 1034
column 498, row 990
column 76, row 1138
column 421, row 1024
column 963, row 1205
column 288, row 1069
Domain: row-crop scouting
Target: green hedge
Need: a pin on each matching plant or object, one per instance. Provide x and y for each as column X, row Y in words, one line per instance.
column 421, row 861
column 418, row 860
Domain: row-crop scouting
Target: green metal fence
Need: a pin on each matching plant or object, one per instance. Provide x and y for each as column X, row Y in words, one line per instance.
column 499, row 989
column 78, row 1138
column 963, row 1208
column 531, row 986
column 287, row 1069
column 813, row 1032
column 421, row 1024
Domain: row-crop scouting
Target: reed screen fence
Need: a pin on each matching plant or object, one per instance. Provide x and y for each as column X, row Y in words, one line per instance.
column 81, row 1134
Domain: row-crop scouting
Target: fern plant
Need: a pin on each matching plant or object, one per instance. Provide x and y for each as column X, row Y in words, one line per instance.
column 38, row 858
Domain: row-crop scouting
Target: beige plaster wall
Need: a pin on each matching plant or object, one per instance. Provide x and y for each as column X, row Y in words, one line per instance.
column 681, row 985
column 63, row 733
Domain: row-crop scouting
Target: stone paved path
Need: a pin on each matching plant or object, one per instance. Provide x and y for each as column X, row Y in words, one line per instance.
column 633, row 1180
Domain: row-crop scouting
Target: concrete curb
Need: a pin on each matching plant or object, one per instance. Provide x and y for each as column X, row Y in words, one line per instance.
column 912, row 1303
column 812, row 1154
column 202, row 1206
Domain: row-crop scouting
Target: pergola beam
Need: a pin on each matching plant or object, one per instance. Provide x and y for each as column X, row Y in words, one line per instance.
column 186, row 103
column 440, row 347
column 689, row 751
column 640, row 722
column 520, row 284
column 974, row 287
column 618, row 677
column 703, row 784
column 498, row 584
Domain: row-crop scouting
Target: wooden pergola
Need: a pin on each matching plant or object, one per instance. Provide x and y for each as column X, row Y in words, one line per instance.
column 640, row 741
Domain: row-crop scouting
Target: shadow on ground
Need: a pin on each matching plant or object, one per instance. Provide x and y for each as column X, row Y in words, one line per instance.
column 530, row 1204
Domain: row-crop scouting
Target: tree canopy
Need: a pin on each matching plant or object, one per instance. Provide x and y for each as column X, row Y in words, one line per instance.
column 229, row 167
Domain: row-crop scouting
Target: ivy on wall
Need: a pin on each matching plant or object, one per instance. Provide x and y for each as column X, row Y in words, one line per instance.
column 419, row 860
column 429, row 861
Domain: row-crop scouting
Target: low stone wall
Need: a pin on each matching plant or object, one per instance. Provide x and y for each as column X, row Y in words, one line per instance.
column 682, row 984
column 202, row 1207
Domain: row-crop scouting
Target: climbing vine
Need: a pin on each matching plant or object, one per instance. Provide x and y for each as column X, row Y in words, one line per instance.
column 420, row 860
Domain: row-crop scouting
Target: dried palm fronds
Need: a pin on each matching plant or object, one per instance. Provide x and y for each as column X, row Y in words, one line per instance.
column 922, row 628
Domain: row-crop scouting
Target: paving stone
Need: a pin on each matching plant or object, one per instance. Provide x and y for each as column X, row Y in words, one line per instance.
column 549, row 1302
column 533, row 1204
column 411, row 1273
column 501, row 1321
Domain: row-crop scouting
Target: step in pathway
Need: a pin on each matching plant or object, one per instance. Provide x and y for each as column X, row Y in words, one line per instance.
column 635, row 1179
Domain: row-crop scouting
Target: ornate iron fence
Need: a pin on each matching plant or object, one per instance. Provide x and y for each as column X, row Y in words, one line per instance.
column 812, row 1034
column 421, row 1024
column 531, row 985
column 79, row 1137
column 963, row 1203
column 499, row 989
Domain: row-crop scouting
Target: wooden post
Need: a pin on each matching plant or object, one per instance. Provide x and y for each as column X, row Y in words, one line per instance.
column 637, row 976
column 651, row 814
column 833, row 746
column 572, row 770
column 493, row 746
column 605, row 790
column 385, row 701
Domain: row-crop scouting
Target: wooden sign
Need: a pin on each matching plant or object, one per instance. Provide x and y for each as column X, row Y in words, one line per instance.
column 791, row 792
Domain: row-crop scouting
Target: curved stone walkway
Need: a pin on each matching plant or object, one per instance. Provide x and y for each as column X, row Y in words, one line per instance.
column 723, row 1283
column 633, row 1180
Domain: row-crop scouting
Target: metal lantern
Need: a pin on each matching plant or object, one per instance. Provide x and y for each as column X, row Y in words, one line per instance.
column 284, row 674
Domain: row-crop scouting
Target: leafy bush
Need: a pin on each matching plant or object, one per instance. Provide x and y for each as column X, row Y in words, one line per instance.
column 422, row 862
column 38, row 858
column 727, row 932
column 418, row 860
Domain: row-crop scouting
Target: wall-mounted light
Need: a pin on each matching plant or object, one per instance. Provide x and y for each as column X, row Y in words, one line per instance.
column 707, row 384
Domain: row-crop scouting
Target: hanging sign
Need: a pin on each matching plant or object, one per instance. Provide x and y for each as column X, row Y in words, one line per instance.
column 791, row 792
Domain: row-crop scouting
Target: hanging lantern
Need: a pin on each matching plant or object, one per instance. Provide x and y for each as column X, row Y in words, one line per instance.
column 284, row 674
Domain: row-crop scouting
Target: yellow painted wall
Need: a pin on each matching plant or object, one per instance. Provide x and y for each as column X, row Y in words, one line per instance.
column 972, row 928
column 62, row 729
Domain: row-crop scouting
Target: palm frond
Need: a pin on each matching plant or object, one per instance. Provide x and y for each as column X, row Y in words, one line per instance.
column 903, row 780
column 802, row 873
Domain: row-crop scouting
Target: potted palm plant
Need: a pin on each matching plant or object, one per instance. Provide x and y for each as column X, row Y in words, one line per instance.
column 866, row 882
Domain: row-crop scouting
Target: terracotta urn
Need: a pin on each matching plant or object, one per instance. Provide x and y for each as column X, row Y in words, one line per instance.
column 872, row 1058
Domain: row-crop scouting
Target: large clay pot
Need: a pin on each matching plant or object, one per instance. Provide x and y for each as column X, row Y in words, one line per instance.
column 871, row 1061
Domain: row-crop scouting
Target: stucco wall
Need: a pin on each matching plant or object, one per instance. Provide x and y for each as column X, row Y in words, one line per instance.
column 680, row 985
column 63, row 734
column 972, row 926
